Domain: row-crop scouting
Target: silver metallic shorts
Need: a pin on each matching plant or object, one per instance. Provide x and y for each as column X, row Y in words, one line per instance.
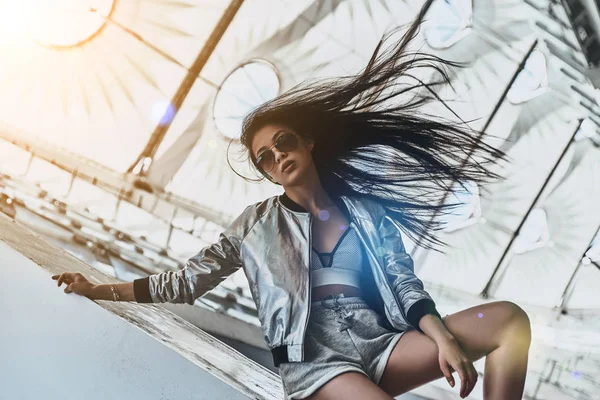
column 343, row 334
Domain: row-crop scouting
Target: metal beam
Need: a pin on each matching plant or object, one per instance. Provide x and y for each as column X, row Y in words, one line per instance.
column 562, row 38
column 186, row 85
column 485, row 292
column 563, row 298
column 507, row 88
column 136, row 36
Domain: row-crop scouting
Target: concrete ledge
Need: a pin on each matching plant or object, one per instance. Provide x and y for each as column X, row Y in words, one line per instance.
column 57, row 345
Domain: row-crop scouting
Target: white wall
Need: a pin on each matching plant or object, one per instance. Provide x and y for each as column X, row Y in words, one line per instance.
column 63, row 346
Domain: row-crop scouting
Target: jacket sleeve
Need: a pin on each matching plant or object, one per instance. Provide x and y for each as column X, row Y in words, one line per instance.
column 202, row 272
column 399, row 266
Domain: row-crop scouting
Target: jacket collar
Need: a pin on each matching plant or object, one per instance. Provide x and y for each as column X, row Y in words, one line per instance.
column 293, row 206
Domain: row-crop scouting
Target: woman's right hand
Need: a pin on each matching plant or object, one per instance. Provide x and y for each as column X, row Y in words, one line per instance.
column 76, row 283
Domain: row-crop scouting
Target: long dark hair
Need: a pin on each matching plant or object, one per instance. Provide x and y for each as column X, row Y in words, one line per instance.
column 371, row 144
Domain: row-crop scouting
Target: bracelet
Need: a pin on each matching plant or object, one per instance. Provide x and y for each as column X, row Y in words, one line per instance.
column 115, row 292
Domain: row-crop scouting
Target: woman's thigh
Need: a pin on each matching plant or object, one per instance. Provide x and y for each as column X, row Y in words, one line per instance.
column 478, row 330
column 350, row 386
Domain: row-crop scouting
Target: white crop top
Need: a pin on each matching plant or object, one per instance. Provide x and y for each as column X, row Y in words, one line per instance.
column 343, row 266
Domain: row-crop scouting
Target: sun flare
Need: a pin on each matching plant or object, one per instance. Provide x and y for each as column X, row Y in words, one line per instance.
column 54, row 23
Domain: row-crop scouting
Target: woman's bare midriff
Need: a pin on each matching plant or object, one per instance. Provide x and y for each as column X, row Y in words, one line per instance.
column 320, row 292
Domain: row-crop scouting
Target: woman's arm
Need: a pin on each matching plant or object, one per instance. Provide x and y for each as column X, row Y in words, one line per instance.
column 432, row 326
column 202, row 272
column 399, row 266
column 103, row 292
column 420, row 308
column 451, row 356
column 79, row 284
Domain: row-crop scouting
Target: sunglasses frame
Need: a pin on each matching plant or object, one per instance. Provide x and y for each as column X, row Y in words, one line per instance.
column 269, row 150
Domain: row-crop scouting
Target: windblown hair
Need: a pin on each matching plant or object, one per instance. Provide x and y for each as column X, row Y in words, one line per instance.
column 372, row 141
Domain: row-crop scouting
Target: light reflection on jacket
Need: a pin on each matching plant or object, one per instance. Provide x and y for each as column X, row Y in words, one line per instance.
column 271, row 241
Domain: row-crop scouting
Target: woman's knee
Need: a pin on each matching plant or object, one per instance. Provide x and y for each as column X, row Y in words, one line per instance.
column 518, row 324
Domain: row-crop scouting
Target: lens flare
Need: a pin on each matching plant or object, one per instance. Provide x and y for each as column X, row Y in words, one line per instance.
column 324, row 215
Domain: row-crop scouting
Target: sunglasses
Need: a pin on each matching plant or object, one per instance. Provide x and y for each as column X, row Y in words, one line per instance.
column 287, row 141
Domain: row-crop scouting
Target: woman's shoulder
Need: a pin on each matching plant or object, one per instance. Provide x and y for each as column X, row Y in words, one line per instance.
column 248, row 218
column 260, row 208
column 254, row 212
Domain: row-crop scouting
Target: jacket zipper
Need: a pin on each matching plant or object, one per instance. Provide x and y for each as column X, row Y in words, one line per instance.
column 309, row 283
column 385, row 278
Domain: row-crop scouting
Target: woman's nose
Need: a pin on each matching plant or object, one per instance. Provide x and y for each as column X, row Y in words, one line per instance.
column 279, row 155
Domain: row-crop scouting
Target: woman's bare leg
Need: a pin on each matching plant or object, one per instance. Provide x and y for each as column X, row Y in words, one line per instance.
column 351, row 386
column 499, row 330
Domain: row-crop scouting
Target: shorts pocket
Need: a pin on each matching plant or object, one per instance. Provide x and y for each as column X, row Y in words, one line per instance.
column 373, row 318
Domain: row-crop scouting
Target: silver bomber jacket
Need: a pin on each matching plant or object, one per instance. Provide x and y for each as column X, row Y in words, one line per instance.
column 271, row 241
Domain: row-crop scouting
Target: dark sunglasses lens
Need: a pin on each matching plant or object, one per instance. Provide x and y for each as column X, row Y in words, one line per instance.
column 265, row 161
column 287, row 142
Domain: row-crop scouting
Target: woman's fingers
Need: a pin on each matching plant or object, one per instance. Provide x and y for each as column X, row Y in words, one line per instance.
column 468, row 378
column 75, row 281
column 66, row 277
column 447, row 373
column 472, row 378
column 464, row 380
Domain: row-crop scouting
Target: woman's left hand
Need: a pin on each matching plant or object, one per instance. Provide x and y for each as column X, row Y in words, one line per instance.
column 452, row 358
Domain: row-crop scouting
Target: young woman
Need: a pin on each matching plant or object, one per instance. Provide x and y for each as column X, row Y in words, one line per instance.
column 340, row 307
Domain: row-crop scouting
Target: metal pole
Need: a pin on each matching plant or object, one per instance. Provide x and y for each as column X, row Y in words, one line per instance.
column 507, row 88
column 485, row 291
column 29, row 162
column 73, row 177
column 563, row 297
column 137, row 36
column 119, row 198
column 171, row 228
column 184, row 88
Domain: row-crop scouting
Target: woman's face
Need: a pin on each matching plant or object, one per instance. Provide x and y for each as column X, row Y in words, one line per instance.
column 301, row 157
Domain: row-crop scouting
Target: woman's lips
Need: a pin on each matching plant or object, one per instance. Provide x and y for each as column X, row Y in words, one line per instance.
column 287, row 167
